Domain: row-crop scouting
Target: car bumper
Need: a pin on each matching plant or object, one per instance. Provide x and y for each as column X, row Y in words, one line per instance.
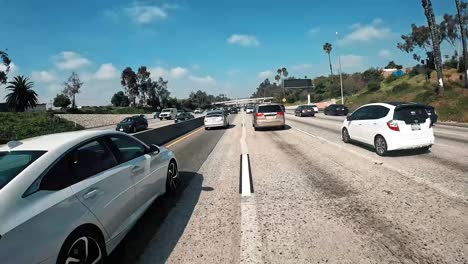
column 410, row 143
column 311, row 113
column 215, row 124
column 269, row 123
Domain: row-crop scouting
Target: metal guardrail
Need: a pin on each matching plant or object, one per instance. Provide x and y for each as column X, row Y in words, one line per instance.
column 162, row 135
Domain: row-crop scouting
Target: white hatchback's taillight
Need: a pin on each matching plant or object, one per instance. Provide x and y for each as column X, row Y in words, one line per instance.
column 393, row 125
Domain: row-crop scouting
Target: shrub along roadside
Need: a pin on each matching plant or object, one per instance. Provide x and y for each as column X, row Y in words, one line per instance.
column 17, row 126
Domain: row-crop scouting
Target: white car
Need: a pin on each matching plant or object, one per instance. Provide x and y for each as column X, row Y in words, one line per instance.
column 390, row 126
column 72, row 197
column 168, row 113
column 316, row 110
column 249, row 110
column 217, row 118
column 198, row 111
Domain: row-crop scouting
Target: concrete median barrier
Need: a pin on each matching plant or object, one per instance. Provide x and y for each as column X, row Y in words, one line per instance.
column 162, row 135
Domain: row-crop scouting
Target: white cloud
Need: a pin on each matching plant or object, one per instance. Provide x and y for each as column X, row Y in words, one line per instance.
column 352, row 62
column 266, row 74
column 157, row 72
column 43, row 76
column 145, row 14
column 384, row 53
column 313, row 31
column 243, row 40
column 107, row 71
column 14, row 69
column 69, row 60
column 178, row 72
column 174, row 73
column 366, row 33
column 203, row 80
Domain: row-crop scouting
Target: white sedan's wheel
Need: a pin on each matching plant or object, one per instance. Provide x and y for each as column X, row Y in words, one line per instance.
column 82, row 248
column 172, row 181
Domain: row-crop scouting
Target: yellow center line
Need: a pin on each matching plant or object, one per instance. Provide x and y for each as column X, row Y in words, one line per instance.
column 182, row 138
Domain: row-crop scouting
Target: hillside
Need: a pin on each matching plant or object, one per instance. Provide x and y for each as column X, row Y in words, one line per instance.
column 453, row 106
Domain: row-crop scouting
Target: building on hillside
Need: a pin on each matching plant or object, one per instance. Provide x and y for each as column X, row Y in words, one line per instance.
column 395, row 72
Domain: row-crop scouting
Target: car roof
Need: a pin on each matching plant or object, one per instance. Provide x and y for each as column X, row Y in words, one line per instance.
column 55, row 141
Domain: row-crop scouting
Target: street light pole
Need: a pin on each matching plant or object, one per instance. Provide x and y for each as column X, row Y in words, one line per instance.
column 341, row 76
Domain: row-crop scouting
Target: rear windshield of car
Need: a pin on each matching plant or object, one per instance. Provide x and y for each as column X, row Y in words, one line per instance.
column 14, row 162
column 308, row 106
column 127, row 120
column 216, row 114
column 411, row 114
column 269, row 108
column 166, row 110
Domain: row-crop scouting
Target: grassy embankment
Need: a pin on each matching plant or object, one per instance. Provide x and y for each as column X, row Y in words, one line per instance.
column 16, row 126
column 453, row 106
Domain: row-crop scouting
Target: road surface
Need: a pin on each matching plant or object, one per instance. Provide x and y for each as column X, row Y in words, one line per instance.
column 315, row 200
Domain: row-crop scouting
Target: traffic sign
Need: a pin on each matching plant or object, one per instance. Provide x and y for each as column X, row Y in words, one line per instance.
column 284, row 100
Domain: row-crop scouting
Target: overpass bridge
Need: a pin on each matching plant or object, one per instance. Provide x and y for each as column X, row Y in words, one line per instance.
column 244, row 101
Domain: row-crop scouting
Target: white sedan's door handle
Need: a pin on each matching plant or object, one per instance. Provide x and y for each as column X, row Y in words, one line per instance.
column 136, row 169
column 90, row 194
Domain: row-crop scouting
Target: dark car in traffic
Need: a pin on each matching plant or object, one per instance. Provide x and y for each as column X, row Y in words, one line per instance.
column 233, row 110
column 304, row 110
column 132, row 124
column 336, row 109
column 183, row 116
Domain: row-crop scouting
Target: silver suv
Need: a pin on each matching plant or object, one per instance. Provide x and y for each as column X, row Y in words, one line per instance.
column 268, row 115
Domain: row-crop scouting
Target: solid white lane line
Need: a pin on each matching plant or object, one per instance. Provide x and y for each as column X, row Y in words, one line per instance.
column 245, row 176
column 432, row 185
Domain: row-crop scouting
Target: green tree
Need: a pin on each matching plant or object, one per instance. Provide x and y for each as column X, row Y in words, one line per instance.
column 72, row 87
column 372, row 75
column 327, row 47
column 62, row 101
column 5, row 61
column 143, row 83
column 129, row 82
column 21, row 96
column 393, row 65
column 120, row 99
column 436, row 40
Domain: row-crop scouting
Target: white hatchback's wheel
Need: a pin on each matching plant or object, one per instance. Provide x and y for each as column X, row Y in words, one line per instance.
column 83, row 247
column 172, row 181
column 345, row 136
column 380, row 145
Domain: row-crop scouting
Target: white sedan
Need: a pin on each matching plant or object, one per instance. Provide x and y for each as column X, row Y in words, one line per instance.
column 72, row 197
column 390, row 126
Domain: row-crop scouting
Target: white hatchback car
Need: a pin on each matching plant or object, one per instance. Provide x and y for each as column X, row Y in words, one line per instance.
column 390, row 126
column 72, row 197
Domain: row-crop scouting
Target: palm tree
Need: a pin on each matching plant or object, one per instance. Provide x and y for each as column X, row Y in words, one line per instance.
column 327, row 47
column 431, row 22
column 21, row 95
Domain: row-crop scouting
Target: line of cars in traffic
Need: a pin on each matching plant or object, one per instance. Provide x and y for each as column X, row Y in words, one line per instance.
column 386, row 126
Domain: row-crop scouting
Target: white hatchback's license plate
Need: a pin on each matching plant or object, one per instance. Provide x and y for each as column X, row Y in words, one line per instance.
column 270, row 117
column 415, row 127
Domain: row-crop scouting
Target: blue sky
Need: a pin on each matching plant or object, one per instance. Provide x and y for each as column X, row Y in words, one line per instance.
column 217, row 46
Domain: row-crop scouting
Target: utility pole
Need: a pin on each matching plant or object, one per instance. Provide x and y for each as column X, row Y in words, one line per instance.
column 341, row 76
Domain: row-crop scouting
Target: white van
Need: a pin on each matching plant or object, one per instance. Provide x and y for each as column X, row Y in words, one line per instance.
column 168, row 113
